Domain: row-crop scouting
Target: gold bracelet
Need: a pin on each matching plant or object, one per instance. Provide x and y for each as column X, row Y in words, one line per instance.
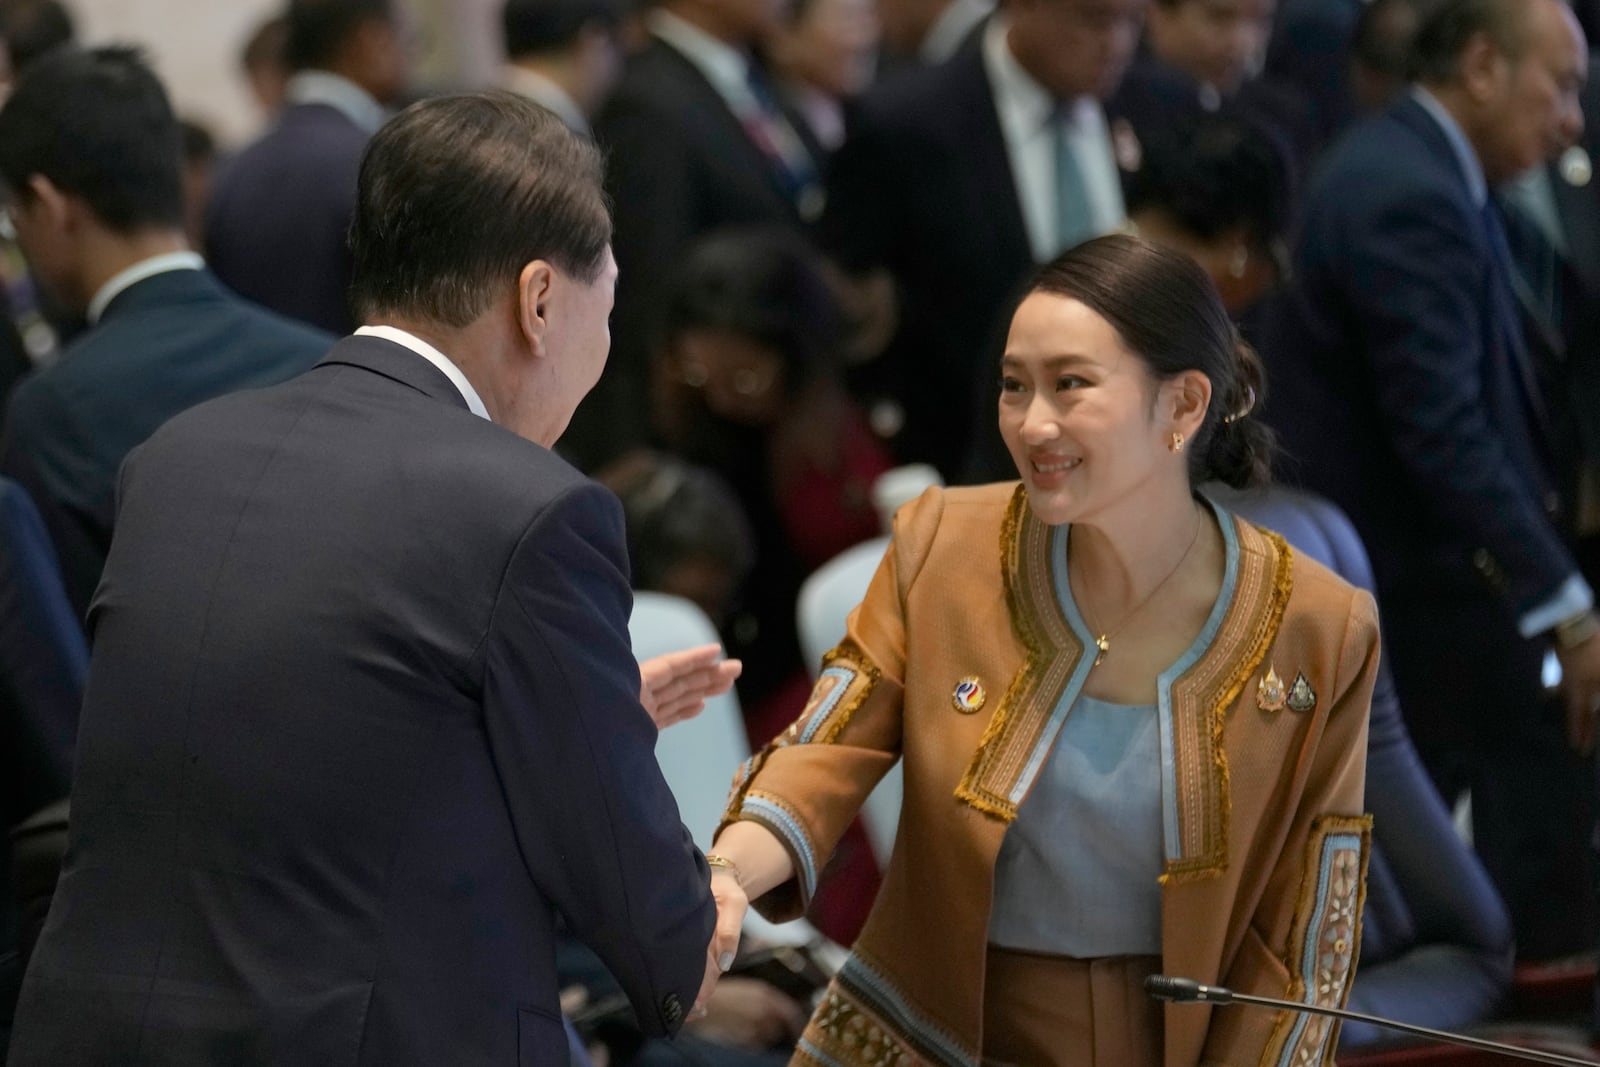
column 1570, row 633
column 723, row 863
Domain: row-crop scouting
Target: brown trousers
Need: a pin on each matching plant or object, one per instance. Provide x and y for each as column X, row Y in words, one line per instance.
column 1043, row 1011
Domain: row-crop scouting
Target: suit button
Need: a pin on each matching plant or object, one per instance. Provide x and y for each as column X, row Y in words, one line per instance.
column 1482, row 562
column 1552, row 503
column 672, row 1010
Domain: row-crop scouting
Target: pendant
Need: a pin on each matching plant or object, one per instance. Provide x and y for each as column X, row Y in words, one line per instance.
column 1104, row 646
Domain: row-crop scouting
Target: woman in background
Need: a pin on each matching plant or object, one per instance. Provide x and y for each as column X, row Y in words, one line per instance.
column 747, row 384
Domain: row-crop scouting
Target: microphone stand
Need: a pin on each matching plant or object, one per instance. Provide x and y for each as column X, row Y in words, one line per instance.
column 1187, row 991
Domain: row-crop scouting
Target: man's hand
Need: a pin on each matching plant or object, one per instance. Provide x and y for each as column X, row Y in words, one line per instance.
column 676, row 686
column 1580, row 691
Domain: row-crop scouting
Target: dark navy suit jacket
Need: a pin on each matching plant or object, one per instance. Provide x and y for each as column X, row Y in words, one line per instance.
column 163, row 345
column 679, row 166
column 923, row 187
column 362, row 717
column 277, row 229
column 1400, row 387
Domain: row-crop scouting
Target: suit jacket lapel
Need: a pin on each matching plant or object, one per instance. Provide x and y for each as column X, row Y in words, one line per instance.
column 713, row 109
column 398, row 364
column 981, row 151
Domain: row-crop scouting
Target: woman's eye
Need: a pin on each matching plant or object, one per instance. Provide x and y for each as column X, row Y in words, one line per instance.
column 1069, row 381
column 1009, row 384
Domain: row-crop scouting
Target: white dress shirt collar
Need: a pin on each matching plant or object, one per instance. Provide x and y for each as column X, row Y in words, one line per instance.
column 724, row 66
column 547, row 94
column 1027, row 114
column 339, row 93
column 146, row 268
column 434, row 356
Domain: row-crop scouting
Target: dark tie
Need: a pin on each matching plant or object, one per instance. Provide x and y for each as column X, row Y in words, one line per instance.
column 786, row 153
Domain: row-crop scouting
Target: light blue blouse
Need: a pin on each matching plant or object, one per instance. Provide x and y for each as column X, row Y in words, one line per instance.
column 1078, row 872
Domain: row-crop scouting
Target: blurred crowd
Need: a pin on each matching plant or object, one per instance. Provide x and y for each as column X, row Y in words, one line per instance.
column 825, row 211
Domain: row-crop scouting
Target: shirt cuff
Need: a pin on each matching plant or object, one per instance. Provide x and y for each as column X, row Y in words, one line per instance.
column 1573, row 598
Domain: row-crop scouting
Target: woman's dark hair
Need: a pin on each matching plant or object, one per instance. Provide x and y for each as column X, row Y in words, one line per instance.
column 1218, row 174
column 764, row 284
column 1166, row 310
column 675, row 511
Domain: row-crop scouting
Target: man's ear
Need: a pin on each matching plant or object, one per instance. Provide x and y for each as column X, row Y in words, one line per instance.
column 535, row 288
column 51, row 205
column 1482, row 68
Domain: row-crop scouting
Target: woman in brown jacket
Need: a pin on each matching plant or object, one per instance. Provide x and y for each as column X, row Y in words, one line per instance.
column 1133, row 727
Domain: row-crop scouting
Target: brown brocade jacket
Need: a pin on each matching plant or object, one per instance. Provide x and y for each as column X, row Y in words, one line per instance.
column 962, row 662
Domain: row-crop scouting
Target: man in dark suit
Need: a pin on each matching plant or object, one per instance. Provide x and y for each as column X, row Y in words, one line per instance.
column 695, row 141
column 956, row 179
column 563, row 54
column 89, row 147
column 362, row 717
column 1200, row 53
column 280, row 210
column 1405, row 391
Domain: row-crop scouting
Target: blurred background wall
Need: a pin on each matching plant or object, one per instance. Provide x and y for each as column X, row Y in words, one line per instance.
column 457, row 42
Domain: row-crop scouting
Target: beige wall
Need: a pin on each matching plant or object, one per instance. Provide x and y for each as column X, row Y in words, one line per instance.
column 195, row 46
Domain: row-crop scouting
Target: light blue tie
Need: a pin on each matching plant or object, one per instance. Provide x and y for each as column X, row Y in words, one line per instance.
column 1074, row 217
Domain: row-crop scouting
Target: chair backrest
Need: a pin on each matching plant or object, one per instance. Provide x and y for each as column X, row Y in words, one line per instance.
column 830, row 593
column 698, row 758
column 826, row 600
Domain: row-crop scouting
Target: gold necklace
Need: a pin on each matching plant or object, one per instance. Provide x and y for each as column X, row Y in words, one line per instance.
column 1103, row 642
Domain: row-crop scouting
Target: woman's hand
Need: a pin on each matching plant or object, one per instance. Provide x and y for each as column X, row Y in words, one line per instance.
column 676, row 686
column 731, row 907
column 749, row 1013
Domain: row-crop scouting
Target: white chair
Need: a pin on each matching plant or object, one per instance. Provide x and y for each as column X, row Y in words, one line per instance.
column 698, row 758
column 826, row 599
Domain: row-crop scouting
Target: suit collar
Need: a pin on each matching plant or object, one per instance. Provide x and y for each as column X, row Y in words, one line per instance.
column 972, row 99
column 1466, row 156
column 397, row 363
column 145, row 268
column 341, row 94
column 162, row 287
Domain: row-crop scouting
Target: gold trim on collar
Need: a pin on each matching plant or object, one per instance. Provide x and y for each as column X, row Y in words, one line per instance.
column 1052, row 651
column 1202, row 697
column 1199, row 700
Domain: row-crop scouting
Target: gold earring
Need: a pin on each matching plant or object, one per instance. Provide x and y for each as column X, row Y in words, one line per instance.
column 1177, row 443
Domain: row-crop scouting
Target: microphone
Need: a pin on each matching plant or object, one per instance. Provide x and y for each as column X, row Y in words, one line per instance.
column 1188, row 991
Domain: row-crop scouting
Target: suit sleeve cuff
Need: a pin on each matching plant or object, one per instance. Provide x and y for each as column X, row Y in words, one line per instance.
column 1573, row 598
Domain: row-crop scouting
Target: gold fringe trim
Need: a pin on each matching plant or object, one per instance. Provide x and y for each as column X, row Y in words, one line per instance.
column 967, row 789
column 1215, row 863
column 856, row 658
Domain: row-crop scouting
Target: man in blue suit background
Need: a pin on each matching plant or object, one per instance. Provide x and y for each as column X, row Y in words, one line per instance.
column 1405, row 392
column 362, row 716
column 91, row 153
column 280, row 212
